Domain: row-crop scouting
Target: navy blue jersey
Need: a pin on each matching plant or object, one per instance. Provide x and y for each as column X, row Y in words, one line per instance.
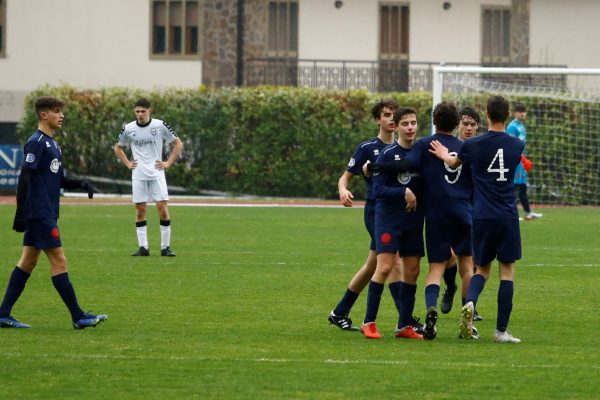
column 447, row 192
column 366, row 151
column 493, row 157
column 43, row 158
column 389, row 189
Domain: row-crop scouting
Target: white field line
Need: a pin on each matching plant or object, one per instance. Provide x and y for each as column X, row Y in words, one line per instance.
column 256, row 205
column 301, row 361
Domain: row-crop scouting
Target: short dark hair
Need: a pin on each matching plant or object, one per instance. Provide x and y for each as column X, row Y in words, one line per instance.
column 470, row 112
column 519, row 107
column 379, row 106
column 445, row 116
column 497, row 109
column 143, row 102
column 45, row 103
column 402, row 111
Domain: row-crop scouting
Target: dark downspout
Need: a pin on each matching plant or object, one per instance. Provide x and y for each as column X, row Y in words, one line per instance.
column 239, row 81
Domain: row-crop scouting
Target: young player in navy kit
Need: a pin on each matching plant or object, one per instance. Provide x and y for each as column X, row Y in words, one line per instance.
column 493, row 158
column 447, row 200
column 38, row 198
column 398, row 231
column 467, row 128
column 146, row 136
column 383, row 114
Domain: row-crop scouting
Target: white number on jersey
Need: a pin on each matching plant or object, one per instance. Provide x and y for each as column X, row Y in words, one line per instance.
column 500, row 170
column 456, row 171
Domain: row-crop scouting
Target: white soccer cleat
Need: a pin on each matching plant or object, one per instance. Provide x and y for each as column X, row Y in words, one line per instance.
column 506, row 337
column 466, row 321
column 533, row 215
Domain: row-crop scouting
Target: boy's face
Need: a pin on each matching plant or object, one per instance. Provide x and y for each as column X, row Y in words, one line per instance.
column 142, row 114
column 520, row 115
column 54, row 117
column 407, row 127
column 467, row 127
column 386, row 120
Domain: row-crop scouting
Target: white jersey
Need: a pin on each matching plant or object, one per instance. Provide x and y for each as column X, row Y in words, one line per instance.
column 146, row 143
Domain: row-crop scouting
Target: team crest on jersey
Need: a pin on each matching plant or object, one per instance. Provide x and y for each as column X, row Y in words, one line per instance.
column 376, row 152
column 48, row 144
column 54, row 165
column 352, row 162
column 396, row 157
column 29, row 158
column 153, row 131
column 404, row 177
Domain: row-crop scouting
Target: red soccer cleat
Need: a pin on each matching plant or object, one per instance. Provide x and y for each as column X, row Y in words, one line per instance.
column 370, row 330
column 408, row 332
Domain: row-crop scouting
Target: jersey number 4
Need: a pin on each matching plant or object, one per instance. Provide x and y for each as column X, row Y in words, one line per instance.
column 500, row 170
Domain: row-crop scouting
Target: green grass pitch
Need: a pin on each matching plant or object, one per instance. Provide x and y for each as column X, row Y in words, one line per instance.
column 241, row 313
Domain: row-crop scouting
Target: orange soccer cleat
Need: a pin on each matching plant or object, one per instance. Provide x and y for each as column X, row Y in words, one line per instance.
column 370, row 330
column 408, row 332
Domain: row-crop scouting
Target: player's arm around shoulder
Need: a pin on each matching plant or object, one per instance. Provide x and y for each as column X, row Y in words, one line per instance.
column 441, row 152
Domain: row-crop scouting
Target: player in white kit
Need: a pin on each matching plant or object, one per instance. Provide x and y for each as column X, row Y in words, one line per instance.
column 146, row 137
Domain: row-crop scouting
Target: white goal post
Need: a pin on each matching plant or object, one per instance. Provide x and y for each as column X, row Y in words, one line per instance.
column 563, row 122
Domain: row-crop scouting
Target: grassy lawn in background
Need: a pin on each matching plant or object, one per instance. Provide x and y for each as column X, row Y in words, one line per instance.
column 241, row 312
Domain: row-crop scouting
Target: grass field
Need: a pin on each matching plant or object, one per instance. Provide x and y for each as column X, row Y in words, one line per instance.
column 241, row 313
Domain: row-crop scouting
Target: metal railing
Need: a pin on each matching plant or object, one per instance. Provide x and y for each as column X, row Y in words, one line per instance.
column 374, row 76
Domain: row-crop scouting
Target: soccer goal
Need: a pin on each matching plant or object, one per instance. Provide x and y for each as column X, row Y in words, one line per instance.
column 563, row 122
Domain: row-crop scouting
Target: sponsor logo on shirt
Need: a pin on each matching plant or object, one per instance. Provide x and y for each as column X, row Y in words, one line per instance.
column 141, row 143
column 54, row 165
column 29, row 158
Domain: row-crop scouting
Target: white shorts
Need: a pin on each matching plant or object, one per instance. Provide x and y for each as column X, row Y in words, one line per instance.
column 149, row 191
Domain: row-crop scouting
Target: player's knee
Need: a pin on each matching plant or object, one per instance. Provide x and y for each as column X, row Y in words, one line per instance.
column 384, row 269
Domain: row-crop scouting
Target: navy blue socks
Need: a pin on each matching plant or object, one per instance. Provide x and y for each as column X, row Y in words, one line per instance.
column 432, row 292
column 475, row 288
column 450, row 276
column 373, row 300
column 63, row 286
column 345, row 305
column 16, row 285
column 505, row 296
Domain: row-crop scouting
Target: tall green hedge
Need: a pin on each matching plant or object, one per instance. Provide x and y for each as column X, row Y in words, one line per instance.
column 292, row 142
column 267, row 141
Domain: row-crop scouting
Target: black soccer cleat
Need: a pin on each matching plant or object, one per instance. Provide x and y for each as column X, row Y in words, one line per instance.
column 416, row 323
column 430, row 331
column 141, row 252
column 476, row 316
column 343, row 322
column 166, row 252
column 448, row 299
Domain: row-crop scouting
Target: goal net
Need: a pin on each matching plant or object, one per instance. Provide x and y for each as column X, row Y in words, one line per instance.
column 563, row 123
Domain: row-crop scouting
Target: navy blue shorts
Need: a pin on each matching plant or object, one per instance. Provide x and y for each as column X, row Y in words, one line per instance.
column 370, row 221
column 391, row 238
column 496, row 239
column 42, row 234
column 441, row 237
